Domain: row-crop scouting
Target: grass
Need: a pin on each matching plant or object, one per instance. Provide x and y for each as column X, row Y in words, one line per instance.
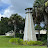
column 4, row 43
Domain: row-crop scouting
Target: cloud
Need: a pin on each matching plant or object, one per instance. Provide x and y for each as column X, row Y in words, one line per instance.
column 0, row 15
column 17, row 6
column 7, row 12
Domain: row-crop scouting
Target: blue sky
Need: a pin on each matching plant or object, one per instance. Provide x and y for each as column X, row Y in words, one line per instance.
column 8, row 7
column 3, row 6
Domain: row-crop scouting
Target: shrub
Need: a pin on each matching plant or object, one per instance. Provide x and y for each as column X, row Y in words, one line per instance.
column 19, row 41
column 35, row 43
column 39, row 43
column 45, row 42
column 31, row 43
column 44, row 39
column 25, row 42
column 16, row 41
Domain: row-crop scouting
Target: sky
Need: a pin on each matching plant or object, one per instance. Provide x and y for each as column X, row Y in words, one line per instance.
column 8, row 7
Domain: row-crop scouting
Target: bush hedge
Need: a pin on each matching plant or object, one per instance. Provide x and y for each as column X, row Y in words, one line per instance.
column 35, row 43
column 44, row 39
column 19, row 41
column 16, row 40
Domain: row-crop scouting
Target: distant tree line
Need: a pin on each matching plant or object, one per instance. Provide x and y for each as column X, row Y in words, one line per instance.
column 7, row 25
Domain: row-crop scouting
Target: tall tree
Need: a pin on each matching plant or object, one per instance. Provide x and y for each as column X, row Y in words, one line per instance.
column 46, row 15
column 38, row 13
column 4, row 27
column 17, row 21
column 44, row 10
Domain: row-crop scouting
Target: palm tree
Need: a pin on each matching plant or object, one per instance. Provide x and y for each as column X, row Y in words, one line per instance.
column 14, row 19
column 44, row 10
column 46, row 15
column 17, row 21
column 38, row 16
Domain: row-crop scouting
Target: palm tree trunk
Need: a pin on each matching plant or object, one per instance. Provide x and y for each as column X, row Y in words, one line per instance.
column 45, row 18
column 39, row 35
column 14, row 30
column 39, row 31
column 46, row 22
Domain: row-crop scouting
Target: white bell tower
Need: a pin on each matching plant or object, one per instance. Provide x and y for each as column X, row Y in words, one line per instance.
column 29, row 31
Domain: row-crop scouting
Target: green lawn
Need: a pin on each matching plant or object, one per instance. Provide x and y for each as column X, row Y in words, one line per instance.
column 4, row 43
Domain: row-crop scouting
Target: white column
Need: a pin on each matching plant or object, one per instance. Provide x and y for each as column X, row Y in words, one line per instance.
column 29, row 31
